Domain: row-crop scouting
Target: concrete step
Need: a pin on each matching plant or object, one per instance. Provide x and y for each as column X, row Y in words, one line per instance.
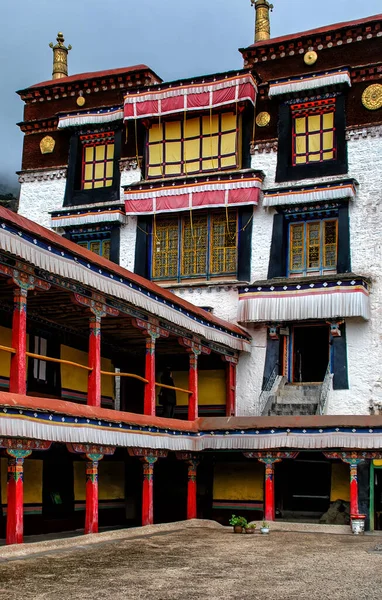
column 283, row 410
column 300, row 390
column 296, row 400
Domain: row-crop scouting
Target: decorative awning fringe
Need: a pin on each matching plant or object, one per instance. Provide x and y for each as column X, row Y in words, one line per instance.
column 344, row 301
column 298, row 196
column 69, row 268
column 90, row 118
column 310, row 82
column 28, row 428
column 179, row 190
column 88, row 218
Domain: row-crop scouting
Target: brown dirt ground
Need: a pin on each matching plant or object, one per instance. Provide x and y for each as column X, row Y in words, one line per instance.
column 201, row 563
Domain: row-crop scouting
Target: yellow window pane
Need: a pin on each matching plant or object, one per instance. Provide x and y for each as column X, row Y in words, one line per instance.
column 192, row 128
column 155, row 154
column 89, row 154
column 296, row 252
column 173, row 152
column 192, row 167
column 328, row 120
column 108, row 183
column 228, row 161
column 328, row 155
column 210, row 146
column 191, row 149
column 106, row 249
column 300, row 144
column 99, row 170
column 210, row 124
column 327, row 139
column 82, row 244
column 300, row 160
column 88, row 172
column 155, row 134
column 110, row 151
column 109, row 169
column 88, row 185
column 314, row 157
column 299, row 125
column 228, row 143
column 100, row 152
column 173, row 130
column 173, row 169
column 209, row 165
column 314, row 123
column 165, row 249
column 228, row 121
column 98, row 184
column 95, row 247
column 154, row 172
column 194, row 246
column 314, row 142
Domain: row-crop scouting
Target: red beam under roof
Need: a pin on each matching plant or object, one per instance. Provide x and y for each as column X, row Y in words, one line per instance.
column 32, row 228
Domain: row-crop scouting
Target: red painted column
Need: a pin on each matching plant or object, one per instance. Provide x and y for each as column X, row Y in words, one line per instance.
column 91, row 517
column 230, row 389
column 269, row 501
column 15, row 496
column 191, row 489
column 193, row 386
column 18, row 372
column 149, row 397
column 353, row 486
column 148, row 489
column 94, row 382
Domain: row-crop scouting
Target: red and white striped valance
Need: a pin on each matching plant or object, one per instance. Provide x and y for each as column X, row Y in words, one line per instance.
column 210, row 194
column 170, row 99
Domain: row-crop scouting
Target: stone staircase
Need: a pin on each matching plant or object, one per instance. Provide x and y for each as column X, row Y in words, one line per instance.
column 294, row 400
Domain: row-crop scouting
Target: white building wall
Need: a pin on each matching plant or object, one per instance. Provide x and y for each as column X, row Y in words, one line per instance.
column 130, row 173
column 41, row 192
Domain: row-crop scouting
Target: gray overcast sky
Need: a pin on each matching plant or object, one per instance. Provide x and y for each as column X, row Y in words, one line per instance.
column 176, row 38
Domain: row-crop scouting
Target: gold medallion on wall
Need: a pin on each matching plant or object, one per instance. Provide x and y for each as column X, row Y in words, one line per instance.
column 372, row 97
column 47, row 145
column 263, row 119
column 80, row 101
column 310, row 57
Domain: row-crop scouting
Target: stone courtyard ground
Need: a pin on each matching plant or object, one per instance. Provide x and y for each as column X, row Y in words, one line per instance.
column 178, row 562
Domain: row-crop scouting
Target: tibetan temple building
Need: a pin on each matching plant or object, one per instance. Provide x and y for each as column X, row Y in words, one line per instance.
column 191, row 291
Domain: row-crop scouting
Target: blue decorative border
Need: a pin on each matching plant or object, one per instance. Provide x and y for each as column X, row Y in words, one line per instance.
column 298, row 286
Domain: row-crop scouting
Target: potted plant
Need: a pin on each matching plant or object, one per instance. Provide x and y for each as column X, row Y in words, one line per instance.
column 264, row 528
column 238, row 523
column 250, row 528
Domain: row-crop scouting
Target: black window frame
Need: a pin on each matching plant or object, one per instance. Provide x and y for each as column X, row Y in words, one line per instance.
column 285, row 170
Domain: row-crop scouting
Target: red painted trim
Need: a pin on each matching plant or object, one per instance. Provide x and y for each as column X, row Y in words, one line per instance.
column 353, row 489
column 15, row 501
column 59, row 242
column 193, row 387
column 149, row 393
column 230, row 389
column 91, row 516
column 18, row 371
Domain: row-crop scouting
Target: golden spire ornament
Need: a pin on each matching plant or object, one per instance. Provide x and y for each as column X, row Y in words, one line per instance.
column 60, row 57
column 262, row 23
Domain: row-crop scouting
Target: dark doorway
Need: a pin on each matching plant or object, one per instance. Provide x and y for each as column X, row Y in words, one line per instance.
column 310, row 353
column 378, row 499
column 303, row 487
column 58, row 490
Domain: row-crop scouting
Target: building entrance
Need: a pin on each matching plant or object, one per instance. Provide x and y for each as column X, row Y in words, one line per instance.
column 310, row 353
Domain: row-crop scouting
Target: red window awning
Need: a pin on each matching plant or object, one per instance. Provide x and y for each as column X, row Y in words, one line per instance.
column 175, row 98
column 206, row 194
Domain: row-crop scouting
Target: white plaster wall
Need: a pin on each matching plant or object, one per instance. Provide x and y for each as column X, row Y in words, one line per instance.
column 250, row 370
column 128, row 236
column 39, row 197
column 222, row 298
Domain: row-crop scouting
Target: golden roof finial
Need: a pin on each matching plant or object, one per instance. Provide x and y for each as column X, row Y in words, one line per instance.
column 262, row 23
column 60, row 57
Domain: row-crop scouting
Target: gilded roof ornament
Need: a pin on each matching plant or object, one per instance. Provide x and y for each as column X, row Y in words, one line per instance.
column 60, row 57
column 372, row 97
column 262, row 23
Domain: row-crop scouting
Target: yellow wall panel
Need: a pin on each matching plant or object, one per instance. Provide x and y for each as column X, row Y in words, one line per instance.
column 32, row 481
column 111, row 480
column 238, row 481
column 377, row 462
column 211, row 387
column 5, row 357
column 76, row 379
column 340, row 486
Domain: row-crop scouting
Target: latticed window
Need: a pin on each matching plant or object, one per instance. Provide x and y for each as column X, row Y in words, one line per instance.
column 97, row 160
column 313, row 132
column 96, row 241
column 313, row 247
column 190, row 246
column 193, row 145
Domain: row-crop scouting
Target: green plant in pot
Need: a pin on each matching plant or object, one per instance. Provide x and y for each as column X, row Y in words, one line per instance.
column 238, row 523
column 264, row 527
column 250, row 528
